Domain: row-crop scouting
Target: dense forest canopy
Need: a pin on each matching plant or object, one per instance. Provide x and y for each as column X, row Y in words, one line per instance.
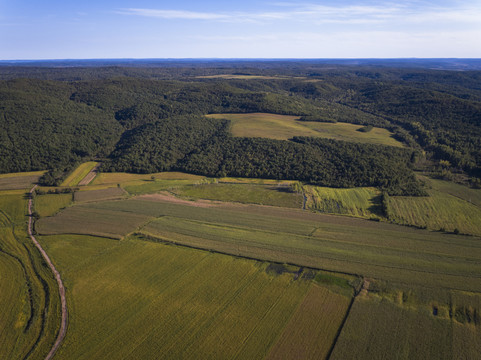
column 151, row 118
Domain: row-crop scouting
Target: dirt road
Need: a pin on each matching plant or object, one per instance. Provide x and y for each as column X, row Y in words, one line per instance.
column 61, row 288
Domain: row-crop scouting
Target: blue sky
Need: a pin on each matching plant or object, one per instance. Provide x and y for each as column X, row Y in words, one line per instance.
column 54, row 29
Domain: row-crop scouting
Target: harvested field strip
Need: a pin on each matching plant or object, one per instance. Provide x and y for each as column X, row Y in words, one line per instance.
column 343, row 244
column 101, row 194
column 244, row 193
column 18, row 182
column 79, row 173
column 50, row 204
column 83, row 220
column 390, row 331
column 144, row 299
column 312, row 329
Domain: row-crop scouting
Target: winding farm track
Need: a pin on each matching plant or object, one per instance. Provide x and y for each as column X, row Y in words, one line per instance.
column 61, row 288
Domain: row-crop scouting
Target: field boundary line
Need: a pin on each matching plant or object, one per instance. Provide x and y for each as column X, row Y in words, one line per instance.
column 61, row 289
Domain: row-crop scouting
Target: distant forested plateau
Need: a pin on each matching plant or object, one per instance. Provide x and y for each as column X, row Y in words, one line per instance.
column 147, row 120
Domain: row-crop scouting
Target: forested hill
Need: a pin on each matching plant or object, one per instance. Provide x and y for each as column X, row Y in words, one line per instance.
column 151, row 119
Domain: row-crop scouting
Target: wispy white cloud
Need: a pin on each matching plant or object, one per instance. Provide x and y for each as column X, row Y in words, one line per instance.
column 349, row 14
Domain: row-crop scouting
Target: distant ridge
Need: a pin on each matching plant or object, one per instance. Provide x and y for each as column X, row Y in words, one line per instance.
column 425, row 63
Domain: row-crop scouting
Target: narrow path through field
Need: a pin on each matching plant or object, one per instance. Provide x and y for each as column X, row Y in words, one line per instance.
column 61, row 288
column 90, row 176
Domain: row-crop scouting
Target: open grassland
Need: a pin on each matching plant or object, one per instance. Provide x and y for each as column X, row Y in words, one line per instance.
column 449, row 207
column 28, row 297
column 311, row 331
column 79, row 173
column 344, row 244
column 137, row 299
column 101, row 194
column 14, row 181
column 380, row 329
column 123, row 178
column 284, row 127
column 244, row 193
column 50, row 204
column 231, row 180
column 360, row 202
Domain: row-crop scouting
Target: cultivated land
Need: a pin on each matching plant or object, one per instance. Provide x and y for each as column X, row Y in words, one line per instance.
column 145, row 283
column 175, row 301
column 79, row 174
column 16, row 181
column 284, row 127
column 352, row 245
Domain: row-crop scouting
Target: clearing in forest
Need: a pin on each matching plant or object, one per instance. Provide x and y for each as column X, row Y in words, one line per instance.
column 79, row 173
column 284, row 127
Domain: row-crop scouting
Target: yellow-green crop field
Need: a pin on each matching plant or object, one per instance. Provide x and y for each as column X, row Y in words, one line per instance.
column 360, row 202
column 312, row 329
column 28, row 296
column 448, row 207
column 368, row 248
column 376, row 327
column 244, row 193
column 284, row 127
column 137, row 299
column 79, row 173
column 49, row 204
column 122, row 178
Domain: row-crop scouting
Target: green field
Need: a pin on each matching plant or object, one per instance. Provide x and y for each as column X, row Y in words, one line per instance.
column 377, row 327
column 171, row 300
column 28, row 298
column 449, row 207
column 49, row 204
column 368, row 248
column 125, row 178
column 360, row 202
column 244, row 193
column 284, row 127
column 79, row 173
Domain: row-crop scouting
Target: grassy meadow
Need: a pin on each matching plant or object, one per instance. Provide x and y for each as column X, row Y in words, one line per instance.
column 79, row 173
column 144, row 299
column 284, row 127
column 50, row 204
column 244, row 193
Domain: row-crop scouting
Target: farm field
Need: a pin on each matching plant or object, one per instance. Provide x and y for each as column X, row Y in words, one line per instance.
column 376, row 327
column 125, row 178
column 284, row 127
column 311, row 331
column 450, row 207
column 374, row 249
column 97, row 195
column 204, row 305
column 16, row 181
column 28, row 296
column 244, row 193
column 79, row 173
column 49, row 204
column 360, row 202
